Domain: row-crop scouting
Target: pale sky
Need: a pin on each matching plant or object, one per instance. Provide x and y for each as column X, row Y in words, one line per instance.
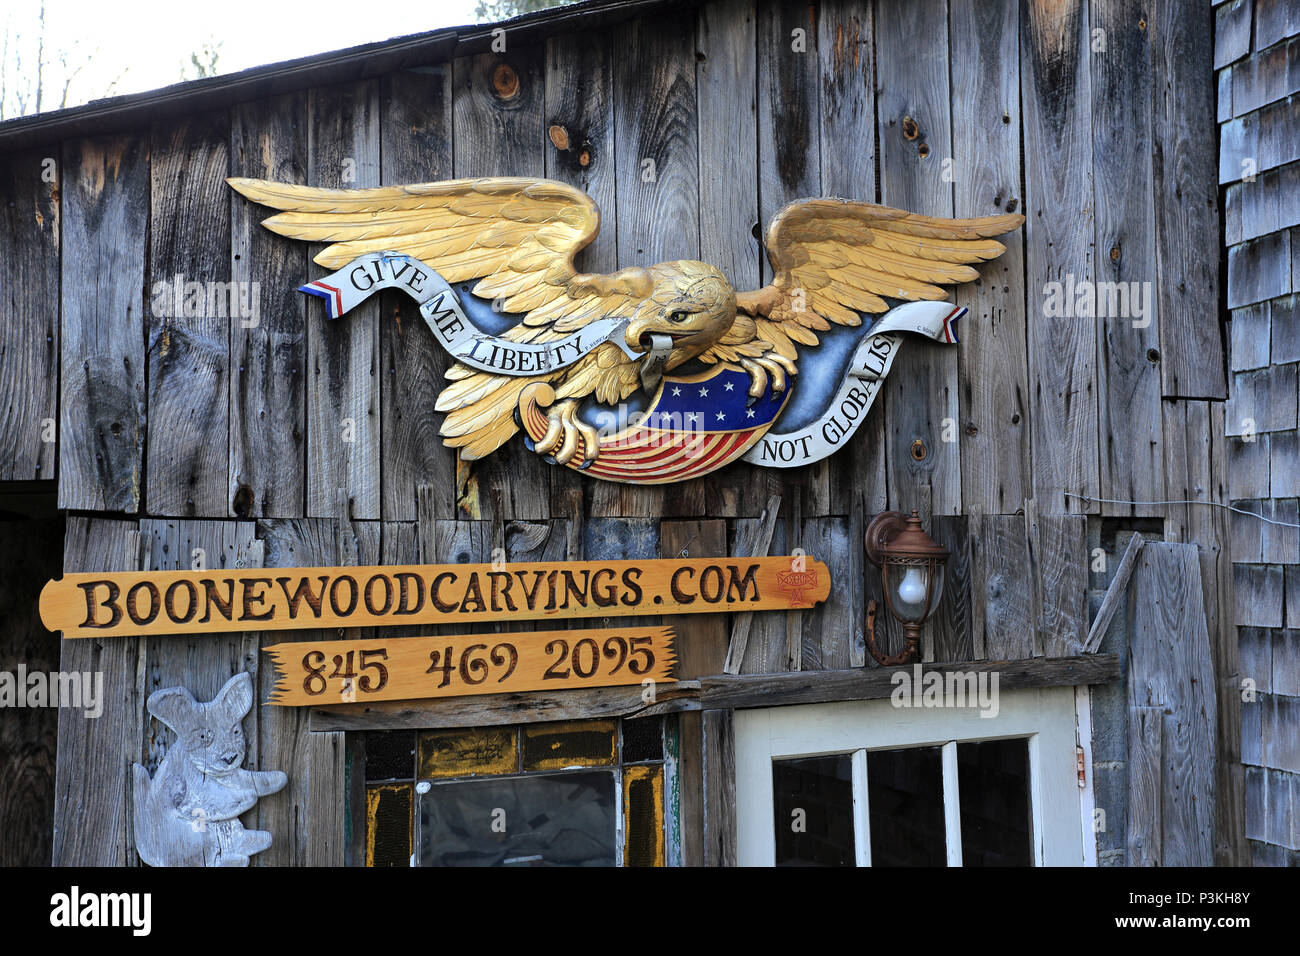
column 147, row 42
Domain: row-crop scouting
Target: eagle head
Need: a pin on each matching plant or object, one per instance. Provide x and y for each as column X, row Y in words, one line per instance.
column 689, row 301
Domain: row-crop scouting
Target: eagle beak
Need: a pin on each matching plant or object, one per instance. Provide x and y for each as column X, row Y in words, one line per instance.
column 634, row 333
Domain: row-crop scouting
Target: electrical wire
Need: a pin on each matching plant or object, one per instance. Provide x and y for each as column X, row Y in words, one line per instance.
column 1185, row 501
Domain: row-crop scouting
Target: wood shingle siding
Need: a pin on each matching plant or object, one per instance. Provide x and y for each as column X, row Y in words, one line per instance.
column 1257, row 46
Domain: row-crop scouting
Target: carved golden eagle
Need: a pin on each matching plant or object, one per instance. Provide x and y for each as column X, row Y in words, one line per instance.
column 832, row 259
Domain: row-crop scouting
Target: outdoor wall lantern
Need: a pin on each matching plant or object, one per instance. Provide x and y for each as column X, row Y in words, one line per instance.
column 911, row 568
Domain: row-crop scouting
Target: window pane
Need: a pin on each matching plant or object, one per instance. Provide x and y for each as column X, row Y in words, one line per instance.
column 643, row 739
column 813, row 801
column 390, row 755
column 469, row 752
column 564, row 819
column 643, row 815
column 905, row 796
column 993, row 776
column 388, row 825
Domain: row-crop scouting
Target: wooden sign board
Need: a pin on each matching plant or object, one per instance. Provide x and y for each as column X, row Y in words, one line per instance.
column 415, row 668
column 271, row 599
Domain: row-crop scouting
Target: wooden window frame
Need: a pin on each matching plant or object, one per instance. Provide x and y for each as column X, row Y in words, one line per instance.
column 1046, row 717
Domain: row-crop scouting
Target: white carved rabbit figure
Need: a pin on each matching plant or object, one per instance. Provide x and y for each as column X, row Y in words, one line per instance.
column 188, row 815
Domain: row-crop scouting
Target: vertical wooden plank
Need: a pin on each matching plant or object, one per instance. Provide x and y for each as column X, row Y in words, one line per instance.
column 1171, row 669
column 201, row 664
column 1002, row 603
column 268, row 428
column 92, row 784
column 701, row 650
column 915, row 118
column 343, row 392
column 293, row 816
column 656, row 129
column 1183, row 138
column 29, row 375
column 415, row 147
column 579, row 150
column 1131, row 463
column 765, row 648
column 327, row 799
column 751, row 540
column 102, row 401
column 952, row 621
column 188, row 326
column 1143, row 846
column 789, row 168
column 1208, row 528
column 701, row 638
column 730, row 225
column 1058, row 571
column 356, row 823
column 789, row 120
column 719, row 788
column 497, row 113
column 725, row 87
column 992, row 367
column 829, row 631
column 1056, row 95
column 31, row 553
column 846, row 49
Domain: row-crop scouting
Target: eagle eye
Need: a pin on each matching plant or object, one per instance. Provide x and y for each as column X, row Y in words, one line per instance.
column 677, row 316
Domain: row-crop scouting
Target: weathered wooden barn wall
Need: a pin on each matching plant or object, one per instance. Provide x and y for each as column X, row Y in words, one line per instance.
column 1257, row 45
column 216, row 439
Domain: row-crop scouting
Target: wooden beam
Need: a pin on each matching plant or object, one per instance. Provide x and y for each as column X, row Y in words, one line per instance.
column 492, row 710
column 809, row 687
column 720, row 692
column 1114, row 595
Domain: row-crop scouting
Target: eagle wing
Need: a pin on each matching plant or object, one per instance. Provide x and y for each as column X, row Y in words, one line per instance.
column 517, row 237
column 833, row 259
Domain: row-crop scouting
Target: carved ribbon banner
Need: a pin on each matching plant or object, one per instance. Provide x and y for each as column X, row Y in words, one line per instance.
column 451, row 326
column 269, row 599
column 417, row 668
column 847, row 409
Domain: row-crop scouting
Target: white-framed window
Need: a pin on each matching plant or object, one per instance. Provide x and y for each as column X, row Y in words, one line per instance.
column 872, row 783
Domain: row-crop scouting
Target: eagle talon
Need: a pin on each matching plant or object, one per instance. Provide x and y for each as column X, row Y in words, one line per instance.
column 560, row 443
column 769, row 370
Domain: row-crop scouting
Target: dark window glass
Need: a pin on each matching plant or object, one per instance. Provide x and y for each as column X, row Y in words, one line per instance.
column 563, row 819
column 905, row 796
column 390, row 755
column 993, row 777
column 813, row 804
column 643, row 739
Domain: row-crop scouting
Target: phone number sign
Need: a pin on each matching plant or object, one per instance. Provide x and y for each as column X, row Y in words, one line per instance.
column 416, row 668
